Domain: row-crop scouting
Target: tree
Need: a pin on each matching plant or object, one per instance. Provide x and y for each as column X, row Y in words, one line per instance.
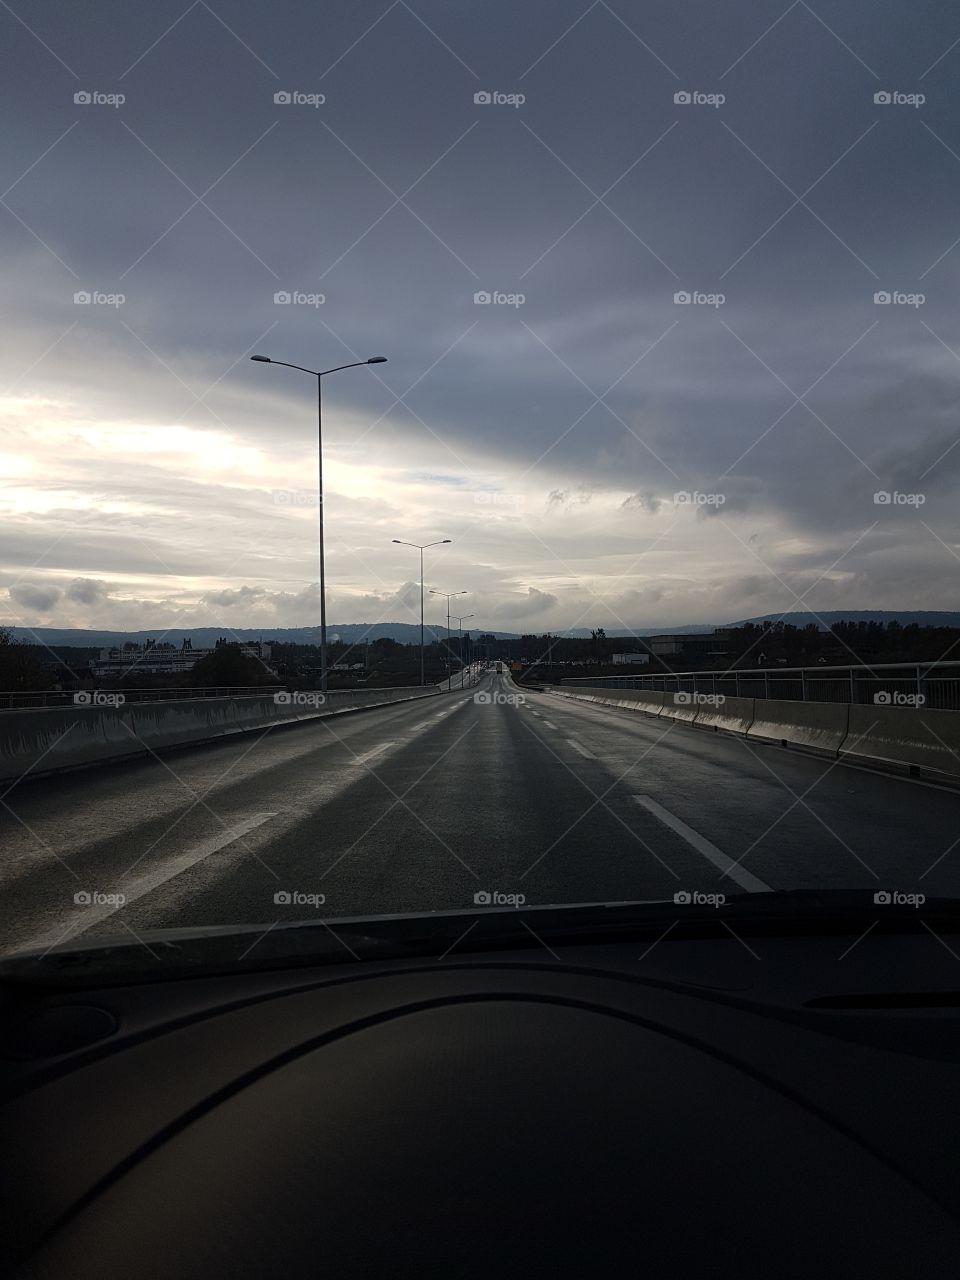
column 227, row 667
column 19, row 668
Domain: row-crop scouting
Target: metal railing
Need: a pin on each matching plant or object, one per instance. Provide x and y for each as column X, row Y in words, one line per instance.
column 934, row 685
column 63, row 698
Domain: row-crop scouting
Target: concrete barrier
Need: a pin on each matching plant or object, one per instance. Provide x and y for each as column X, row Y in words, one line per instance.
column 733, row 715
column 819, row 727
column 645, row 700
column 674, row 709
column 907, row 739
column 47, row 740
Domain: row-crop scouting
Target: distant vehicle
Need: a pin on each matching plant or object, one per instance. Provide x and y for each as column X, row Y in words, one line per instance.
column 499, row 668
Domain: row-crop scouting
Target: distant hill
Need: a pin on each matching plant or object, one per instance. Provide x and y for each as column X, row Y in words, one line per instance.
column 617, row 633
column 409, row 632
column 205, row 637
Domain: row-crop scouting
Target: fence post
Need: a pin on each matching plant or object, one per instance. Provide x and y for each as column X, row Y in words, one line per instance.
column 853, row 688
column 766, row 684
column 803, row 684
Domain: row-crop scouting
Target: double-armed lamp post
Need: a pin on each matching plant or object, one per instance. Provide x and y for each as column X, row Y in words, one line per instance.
column 319, row 374
column 448, row 596
column 421, row 548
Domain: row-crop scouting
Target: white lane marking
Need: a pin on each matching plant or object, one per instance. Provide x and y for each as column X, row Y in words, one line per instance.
column 745, row 879
column 550, row 725
column 583, row 751
column 424, row 724
column 86, row 917
column 536, row 713
column 374, row 751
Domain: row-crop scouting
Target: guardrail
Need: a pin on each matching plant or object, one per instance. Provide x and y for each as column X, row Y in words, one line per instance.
column 42, row 740
column 86, row 697
column 935, row 685
column 913, row 740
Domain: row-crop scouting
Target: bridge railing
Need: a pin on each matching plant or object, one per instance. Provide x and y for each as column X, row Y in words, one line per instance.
column 935, row 685
column 61, row 698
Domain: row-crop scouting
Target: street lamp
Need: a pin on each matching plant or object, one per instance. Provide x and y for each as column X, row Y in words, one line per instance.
column 460, row 622
column 319, row 374
column 448, row 596
column 421, row 549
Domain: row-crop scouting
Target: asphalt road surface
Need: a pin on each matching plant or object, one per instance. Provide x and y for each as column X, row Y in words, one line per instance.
column 421, row 806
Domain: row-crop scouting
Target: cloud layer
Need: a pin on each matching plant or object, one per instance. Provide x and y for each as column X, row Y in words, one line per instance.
column 652, row 356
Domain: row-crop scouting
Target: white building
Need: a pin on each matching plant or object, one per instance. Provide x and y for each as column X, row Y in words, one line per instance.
column 633, row 659
column 151, row 658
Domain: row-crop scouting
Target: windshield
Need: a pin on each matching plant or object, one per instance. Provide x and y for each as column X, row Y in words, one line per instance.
column 460, row 459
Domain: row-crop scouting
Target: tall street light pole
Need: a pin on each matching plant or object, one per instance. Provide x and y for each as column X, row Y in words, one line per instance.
column 320, row 374
column 421, row 549
column 460, row 622
column 448, row 596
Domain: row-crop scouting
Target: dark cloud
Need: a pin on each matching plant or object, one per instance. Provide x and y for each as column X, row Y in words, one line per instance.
column 587, row 385
column 88, row 591
column 35, row 599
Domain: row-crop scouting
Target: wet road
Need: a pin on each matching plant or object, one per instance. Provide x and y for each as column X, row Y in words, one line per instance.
column 422, row 806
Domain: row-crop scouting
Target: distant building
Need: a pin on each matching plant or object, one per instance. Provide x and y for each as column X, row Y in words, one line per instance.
column 634, row 659
column 151, row 658
column 689, row 646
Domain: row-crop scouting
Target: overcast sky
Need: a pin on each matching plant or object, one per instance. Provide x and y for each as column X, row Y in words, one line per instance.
column 151, row 476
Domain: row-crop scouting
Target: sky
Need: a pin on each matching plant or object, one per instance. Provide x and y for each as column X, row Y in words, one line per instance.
column 667, row 295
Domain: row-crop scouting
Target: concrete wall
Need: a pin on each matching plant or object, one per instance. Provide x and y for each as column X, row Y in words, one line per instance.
column 630, row 699
column 47, row 739
column 674, row 710
column 902, row 739
column 734, row 715
column 908, row 739
column 819, row 727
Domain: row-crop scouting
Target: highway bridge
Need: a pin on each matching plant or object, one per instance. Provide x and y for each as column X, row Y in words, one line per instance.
column 483, row 796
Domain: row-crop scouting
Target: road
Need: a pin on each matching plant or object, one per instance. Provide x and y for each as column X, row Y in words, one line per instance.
column 421, row 805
